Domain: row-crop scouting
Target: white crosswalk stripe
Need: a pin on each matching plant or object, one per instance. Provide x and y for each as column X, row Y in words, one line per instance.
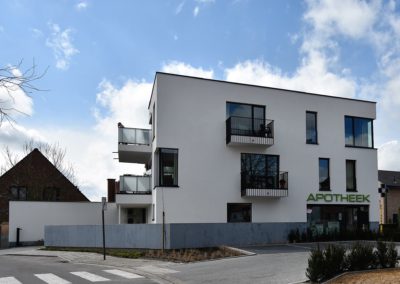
column 9, row 280
column 90, row 276
column 51, row 278
column 123, row 274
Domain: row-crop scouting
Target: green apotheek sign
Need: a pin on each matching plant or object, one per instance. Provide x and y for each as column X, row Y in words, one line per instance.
column 334, row 197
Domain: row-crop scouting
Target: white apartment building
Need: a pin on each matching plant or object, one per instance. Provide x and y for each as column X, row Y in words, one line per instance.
column 219, row 152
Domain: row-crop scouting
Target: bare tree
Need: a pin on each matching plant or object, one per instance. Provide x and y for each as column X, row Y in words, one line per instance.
column 53, row 152
column 13, row 79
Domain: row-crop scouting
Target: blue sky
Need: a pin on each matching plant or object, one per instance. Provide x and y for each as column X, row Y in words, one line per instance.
column 102, row 56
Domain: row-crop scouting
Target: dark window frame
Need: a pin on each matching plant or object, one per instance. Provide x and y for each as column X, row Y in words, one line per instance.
column 19, row 188
column 160, row 168
column 329, row 174
column 229, row 220
column 354, row 176
column 316, row 127
column 51, row 191
column 253, row 127
column 153, row 121
column 353, row 132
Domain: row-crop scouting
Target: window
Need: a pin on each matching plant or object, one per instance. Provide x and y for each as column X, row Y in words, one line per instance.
column 260, row 171
column 324, row 179
column 358, row 132
column 168, row 175
column 351, row 175
column 239, row 212
column 18, row 193
column 311, row 128
column 245, row 119
column 153, row 121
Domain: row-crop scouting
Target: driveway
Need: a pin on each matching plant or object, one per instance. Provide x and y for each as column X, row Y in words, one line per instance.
column 270, row 264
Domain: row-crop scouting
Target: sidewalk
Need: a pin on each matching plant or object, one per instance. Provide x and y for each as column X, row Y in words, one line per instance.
column 153, row 269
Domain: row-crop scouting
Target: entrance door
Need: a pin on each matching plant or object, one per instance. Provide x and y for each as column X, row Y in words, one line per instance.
column 136, row 216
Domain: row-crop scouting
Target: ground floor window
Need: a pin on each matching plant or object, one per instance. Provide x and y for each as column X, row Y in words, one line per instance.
column 136, row 215
column 325, row 219
column 239, row 212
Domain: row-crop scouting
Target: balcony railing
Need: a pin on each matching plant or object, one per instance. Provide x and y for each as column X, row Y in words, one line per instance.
column 274, row 185
column 243, row 127
column 129, row 184
column 134, row 136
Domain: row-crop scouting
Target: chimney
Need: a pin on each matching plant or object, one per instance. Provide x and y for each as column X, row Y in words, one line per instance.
column 111, row 189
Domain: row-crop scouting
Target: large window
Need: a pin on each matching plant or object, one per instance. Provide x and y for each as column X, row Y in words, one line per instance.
column 51, row 194
column 18, row 193
column 246, row 120
column 311, row 128
column 168, row 175
column 351, row 175
column 324, row 179
column 239, row 212
column 260, row 171
column 359, row 132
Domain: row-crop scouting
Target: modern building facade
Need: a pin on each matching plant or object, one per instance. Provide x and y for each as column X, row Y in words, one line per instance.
column 389, row 187
column 221, row 152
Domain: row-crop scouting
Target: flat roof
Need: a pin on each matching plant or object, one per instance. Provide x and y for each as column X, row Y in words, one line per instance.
column 257, row 86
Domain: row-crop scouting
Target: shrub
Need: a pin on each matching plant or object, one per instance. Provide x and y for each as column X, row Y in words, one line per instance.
column 391, row 255
column 315, row 269
column 360, row 257
column 381, row 254
column 333, row 260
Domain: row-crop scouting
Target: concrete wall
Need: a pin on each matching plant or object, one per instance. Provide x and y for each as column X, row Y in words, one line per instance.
column 191, row 116
column 117, row 236
column 177, row 235
column 32, row 216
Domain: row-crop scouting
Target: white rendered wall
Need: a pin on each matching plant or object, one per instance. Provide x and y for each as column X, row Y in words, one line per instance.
column 32, row 216
column 191, row 116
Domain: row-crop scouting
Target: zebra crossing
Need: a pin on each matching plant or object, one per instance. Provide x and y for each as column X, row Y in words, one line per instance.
column 51, row 278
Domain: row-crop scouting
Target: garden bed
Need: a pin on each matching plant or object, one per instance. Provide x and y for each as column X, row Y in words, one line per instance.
column 369, row 277
column 178, row 255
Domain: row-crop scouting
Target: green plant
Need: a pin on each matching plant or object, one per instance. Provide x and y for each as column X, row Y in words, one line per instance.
column 315, row 269
column 391, row 255
column 381, row 254
column 333, row 260
column 360, row 257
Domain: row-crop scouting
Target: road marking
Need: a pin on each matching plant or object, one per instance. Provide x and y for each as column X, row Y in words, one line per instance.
column 90, row 276
column 9, row 280
column 156, row 270
column 123, row 274
column 51, row 278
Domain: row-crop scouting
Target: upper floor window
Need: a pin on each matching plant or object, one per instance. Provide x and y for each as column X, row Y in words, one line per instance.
column 153, row 121
column 359, row 132
column 260, row 171
column 351, row 175
column 246, row 119
column 324, row 178
column 18, row 193
column 168, row 167
column 51, row 194
column 311, row 128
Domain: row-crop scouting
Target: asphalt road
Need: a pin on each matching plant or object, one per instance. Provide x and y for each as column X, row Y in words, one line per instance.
column 53, row 270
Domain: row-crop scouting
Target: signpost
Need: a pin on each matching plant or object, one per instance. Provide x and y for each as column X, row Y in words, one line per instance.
column 103, row 208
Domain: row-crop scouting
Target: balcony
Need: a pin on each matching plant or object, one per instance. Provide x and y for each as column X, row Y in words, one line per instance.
column 249, row 131
column 134, row 145
column 264, row 186
column 134, row 190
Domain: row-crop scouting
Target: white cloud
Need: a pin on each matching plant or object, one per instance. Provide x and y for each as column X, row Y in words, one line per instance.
column 179, row 8
column 36, row 33
column 196, row 11
column 81, row 6
column 182, row 68
column 60, row 41
column 389, row 154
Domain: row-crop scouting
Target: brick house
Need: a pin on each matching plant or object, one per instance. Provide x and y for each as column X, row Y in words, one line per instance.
column 390, row 200
column 35, row 178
